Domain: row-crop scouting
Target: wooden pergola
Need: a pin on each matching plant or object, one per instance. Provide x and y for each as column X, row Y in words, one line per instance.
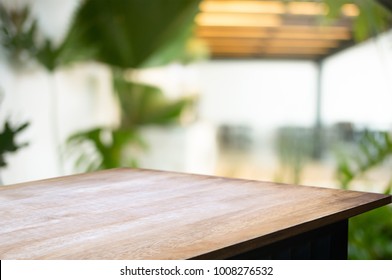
column 273, row 29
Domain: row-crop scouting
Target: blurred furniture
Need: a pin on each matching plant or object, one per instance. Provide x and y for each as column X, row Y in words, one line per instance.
column 146, row 214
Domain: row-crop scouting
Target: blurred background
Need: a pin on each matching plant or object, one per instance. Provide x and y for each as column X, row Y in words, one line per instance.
column 285, row 91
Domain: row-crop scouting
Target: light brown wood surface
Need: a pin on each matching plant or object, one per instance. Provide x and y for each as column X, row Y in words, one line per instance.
column 145, row 214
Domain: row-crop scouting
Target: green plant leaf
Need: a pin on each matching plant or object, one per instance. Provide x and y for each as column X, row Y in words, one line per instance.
column 373, row 149
column 8, row 140
column 131, row 33
column 388, row 189
column 370, row 235
column 143, row 104
column 18, row 32
column 372, row 19
column 104, row 148
column 48, row 55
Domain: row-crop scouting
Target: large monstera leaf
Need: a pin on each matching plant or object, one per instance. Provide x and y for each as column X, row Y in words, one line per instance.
column 134, row 33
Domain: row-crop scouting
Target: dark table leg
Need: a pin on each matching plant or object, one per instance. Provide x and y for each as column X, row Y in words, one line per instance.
column 328, row 242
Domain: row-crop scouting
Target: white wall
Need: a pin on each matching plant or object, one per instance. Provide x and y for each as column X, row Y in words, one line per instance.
column 71, row 100
column 358, row 84
column 263, row 94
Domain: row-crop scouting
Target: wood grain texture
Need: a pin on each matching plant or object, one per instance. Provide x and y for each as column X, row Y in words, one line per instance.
column 145, row 214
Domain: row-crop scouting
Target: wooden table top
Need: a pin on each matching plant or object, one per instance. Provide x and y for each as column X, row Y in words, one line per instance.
column 145, row 214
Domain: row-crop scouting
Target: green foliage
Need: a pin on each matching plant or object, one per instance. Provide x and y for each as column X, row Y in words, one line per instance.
column 143, row 104
column 17, row 34
column 48, row 56
column 370, row 235
column 124, row 34
column 105, row 148
column 52, row 57
column 372, row 19
column 8, row 142
column 373, row 149
column 130, row 34
column 386, row 3
column 22, row 40
column 134, row 34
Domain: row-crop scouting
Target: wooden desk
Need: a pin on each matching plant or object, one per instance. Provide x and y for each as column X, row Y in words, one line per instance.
column 144, row 214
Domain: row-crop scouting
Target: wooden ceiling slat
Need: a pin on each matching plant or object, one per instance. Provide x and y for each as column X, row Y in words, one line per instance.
column 341, row 33
column 316, row 36
column 273, row 7
column 304, row 43
column 273, row 42
column 207, row 35
column 238, row 19
column 275, row 50
column 306, row 8
column 233, row 28
column 268, row 7
column 288, row 50
column 228, row 55
column 206, row 32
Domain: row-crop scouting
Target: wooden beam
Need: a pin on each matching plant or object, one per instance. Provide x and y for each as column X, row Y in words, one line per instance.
column 234, row 55
column 266, row 7
column 267, row 49
column 294, row 43
column 237, row 19
column 289, row 32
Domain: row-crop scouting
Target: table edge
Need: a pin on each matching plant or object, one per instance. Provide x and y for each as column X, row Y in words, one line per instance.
column 267, row 239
